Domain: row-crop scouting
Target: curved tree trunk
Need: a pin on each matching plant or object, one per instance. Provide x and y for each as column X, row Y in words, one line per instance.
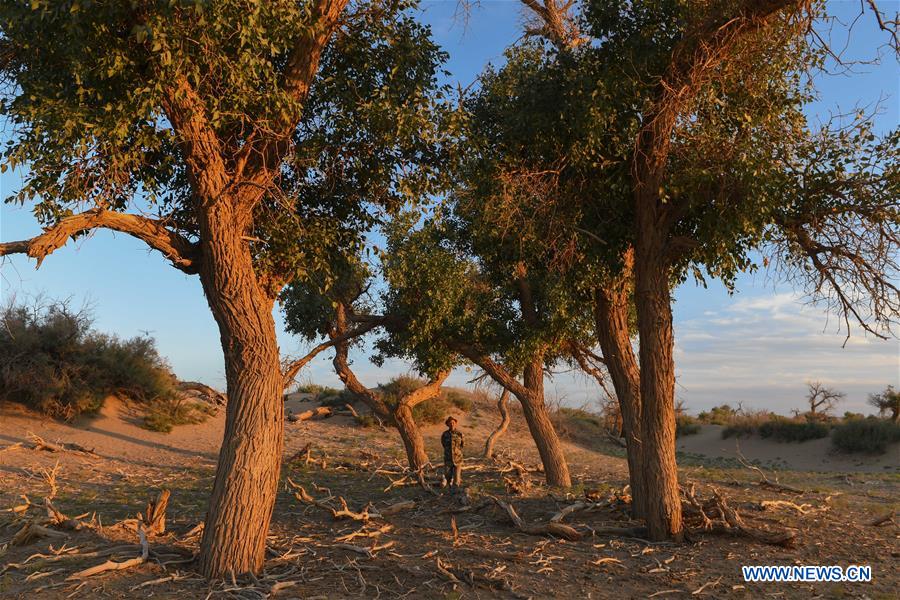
column 243, row 496
column 657, row 374
column 556, row 469
column 613, row 333
column 503, row 408
column 411, row 435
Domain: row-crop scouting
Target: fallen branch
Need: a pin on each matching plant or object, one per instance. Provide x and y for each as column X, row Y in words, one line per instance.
column 549, row 528
column 116, row 566
column 316, row 413
column 41, row 444
column 204, row 392
column 15, row 446
column 393, row 509
column 764, row 479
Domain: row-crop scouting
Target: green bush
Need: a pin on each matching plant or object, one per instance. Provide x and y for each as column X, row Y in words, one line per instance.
column 870, row 435
column 776, row 427
column 686, row 425
column 164, row 415
column 718, row 415
column 783, row 429
column 366, row 421
column 460, row 400
column 333, row 398
column 53, row 361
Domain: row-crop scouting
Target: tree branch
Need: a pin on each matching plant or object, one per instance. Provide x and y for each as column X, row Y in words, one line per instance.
column 291, row 369
column 186, row 111
column 257, row 162
column 497, row 372
column 181, row 252
column 427, row 391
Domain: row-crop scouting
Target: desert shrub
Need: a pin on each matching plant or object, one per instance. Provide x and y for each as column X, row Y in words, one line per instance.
column 686, row 425
column 718, row 415
column 870, row 435
column 52, row 360
column 366, row 421
column 309, row 388
column 333, row 398
column 164, row 415
column 783, row 429
column 776, row 427
column 459, row 400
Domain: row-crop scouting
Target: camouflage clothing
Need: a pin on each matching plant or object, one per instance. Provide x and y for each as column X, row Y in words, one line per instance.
column 453, row 442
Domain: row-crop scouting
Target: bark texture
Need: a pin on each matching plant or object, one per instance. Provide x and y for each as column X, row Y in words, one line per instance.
column 503, row 409
column 556, row 469
column 243, row 496
column 611, row 311
column 657, row 377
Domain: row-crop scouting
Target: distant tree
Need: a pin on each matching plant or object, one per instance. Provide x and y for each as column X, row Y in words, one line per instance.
column 245, row 142
column 822, row 399
column 886, row 402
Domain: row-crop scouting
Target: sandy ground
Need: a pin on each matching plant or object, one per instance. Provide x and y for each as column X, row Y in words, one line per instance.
column 358, row 464
column 812, row 455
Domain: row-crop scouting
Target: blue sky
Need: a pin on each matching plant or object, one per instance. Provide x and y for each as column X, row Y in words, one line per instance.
column 758, row 346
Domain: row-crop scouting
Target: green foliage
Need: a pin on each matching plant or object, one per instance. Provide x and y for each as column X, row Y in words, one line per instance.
column 366, row 421
column 718, row 415
column 335, row 398
column 686, row 425
column 776, row 427
column 783, row 429
column 87, row 99
column 429, row 412
column 871, row 436
column 53, row 361
column 461, row 401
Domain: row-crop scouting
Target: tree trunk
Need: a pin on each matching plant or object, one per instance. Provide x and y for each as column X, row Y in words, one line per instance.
column 503, row 407
column 612, row 306
column 411, row 436
column 657, row 371
column 545, row 437
column 243, row 496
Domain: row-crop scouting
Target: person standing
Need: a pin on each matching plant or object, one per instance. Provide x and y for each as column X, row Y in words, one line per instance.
column 453, row 442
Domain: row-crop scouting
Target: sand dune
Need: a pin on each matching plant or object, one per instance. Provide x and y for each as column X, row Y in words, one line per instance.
column 814, row 455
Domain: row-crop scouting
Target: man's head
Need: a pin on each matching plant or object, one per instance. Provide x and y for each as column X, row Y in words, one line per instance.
column 450, row 423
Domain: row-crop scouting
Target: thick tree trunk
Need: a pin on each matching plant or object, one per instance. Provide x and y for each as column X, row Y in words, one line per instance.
column 556, row 469
column 411, row 436
column 657, row 373
column 503, row 408
column 243, row 496
column 612, row 307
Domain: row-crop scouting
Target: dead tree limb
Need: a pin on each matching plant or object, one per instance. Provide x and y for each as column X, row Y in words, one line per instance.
column 154, row 518
column 116, row 566
column 209, row 394
column 550, row 528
